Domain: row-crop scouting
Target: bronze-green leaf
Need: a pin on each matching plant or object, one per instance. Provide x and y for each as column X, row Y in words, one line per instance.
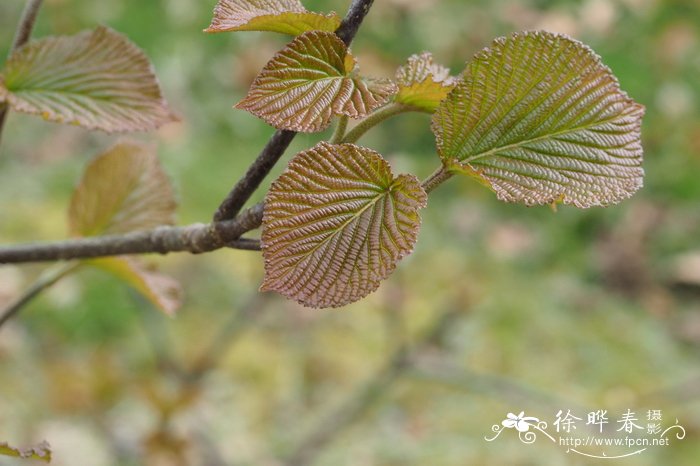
column 423, row 84
column 336, row 223
column 124, row 189
column 161, row 290
column 539, row 119
column 95, row 79
column 40, row 452
column 285, row 16
column 310, row 81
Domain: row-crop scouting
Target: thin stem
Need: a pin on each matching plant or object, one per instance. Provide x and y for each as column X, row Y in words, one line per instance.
column 45, row 280
column 340, row 129
column 353, row 19
column 279, row 142
column 196, row 238
column 24, row 32
column 26, row 23
column 254, row 176
column 374, row 119
column 246, row 244
column 436, row 179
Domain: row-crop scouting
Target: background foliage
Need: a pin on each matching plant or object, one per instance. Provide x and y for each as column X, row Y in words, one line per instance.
column 595, row 308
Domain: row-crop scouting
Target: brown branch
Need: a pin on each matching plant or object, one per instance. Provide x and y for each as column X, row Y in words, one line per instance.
column 24, row 32
column 246, row 244
column 196, row 238
column 26, row 23
column 228, row 224
column 353, row 19
column 258, row 170
column 279, row 142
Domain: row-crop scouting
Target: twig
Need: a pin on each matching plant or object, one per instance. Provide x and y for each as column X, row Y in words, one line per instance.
column 436, row 179
column 48, row 278
column 362, row 399
column 374, row 119
column 258, row 170
column 24, row 32
column 353, row 19
column 197, row 238
column 339, row 132
column 26, row 23
column 278, row 143
column 246, row 244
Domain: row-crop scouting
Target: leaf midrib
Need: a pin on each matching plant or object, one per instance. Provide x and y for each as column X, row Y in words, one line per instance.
column 342, row 227
column 40, row 91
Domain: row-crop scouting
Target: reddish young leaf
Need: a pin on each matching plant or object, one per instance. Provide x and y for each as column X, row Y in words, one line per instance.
column 95, row 79
column 285, row 16
column 309, row 82
column 336, row 223
column 539, row 119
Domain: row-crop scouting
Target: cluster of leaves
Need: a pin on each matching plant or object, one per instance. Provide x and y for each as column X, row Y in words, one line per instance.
column 536, row 117
column 99, row 80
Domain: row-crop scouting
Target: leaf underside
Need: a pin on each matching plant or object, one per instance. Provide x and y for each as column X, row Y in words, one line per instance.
column 540, row 119
column 285, row 16
column 40, row 452
column 422, row 83
column 124, row 189
column 309, row 82
column 161, row 290
column 94, row 79
column 336, row 223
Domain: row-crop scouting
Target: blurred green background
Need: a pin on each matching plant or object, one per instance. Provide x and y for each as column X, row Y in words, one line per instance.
column 579, row 310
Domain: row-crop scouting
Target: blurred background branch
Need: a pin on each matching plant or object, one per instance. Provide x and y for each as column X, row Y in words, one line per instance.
column 333, row 422
column 45, row 280
column 22, row 35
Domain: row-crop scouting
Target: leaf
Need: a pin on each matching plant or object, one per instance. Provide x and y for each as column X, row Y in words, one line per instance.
column 335, row 224
column 540, row 119
column 40, row 452
column 285, row 16
column 95, row 79
column 309, row 82
column 164, row 292
column 422, row 83
column 124, row 189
